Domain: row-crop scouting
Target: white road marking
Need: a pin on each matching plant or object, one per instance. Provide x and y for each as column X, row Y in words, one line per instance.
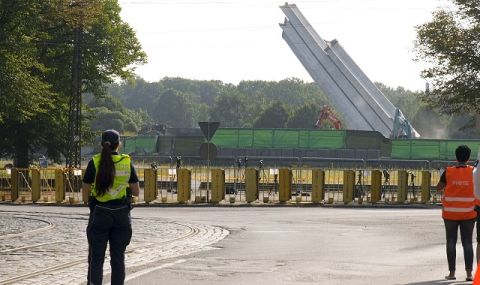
column 146, row 271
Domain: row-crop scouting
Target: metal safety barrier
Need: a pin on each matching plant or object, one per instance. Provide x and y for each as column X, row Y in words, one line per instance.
column 243, row 182
column 41, row 185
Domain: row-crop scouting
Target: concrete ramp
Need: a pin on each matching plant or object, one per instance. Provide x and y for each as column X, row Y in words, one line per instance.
column 359, row 101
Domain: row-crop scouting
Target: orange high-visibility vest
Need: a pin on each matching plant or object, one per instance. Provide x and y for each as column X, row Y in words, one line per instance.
column 459, row 200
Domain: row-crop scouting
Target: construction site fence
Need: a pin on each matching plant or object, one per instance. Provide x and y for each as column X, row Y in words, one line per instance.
column 295, row 142
column 241, row 183
column 294, row 161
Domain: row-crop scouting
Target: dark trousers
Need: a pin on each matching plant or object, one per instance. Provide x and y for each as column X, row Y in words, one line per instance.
column 466, row 232
column 110, row 224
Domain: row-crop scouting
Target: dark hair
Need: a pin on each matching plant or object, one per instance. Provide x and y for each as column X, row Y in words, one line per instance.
column 462, row 153
column 106, row 167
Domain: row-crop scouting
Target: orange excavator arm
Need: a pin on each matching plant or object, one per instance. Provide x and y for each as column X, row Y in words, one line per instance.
column 327, row 115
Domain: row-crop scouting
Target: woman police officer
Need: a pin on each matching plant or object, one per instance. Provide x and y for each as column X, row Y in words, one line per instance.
column 106, row 179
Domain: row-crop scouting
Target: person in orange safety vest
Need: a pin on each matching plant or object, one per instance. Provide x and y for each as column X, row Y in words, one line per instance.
column 458, row 209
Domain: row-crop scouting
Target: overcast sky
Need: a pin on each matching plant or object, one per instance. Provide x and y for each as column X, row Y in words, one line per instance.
column 234, row 40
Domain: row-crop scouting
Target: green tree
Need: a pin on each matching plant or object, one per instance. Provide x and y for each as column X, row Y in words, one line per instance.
column 101, row 110
column 407, row 101
column 36, row 54
column 449, row 44
column 137, row 94
column 203, row 91
column 304, row 116
column 173, row 109
column 106, row 119
column 229, row 109
column 274, row 116
column 26, row 100
column 201, row 112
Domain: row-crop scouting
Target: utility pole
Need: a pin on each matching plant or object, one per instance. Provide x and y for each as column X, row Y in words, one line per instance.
column 75, row 105
column 79, row 15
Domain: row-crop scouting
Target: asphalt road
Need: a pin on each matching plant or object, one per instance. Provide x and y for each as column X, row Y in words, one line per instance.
column 287, row 245
column 311, row 246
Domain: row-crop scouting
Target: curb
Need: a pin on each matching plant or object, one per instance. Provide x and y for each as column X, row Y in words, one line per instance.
column 248, row 205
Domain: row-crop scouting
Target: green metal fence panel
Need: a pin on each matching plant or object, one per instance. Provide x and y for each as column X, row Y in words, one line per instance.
column 451, row 145
column 304, row 139
column 140, row 144
column 262, row 138
column 279, row 138
column 285, row 138
column 424, row 149
column 431, row 149
column 226, row 138
column 245, row 138
column 401, row 149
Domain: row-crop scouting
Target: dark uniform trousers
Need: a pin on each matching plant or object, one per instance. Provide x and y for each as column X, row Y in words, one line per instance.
column 108, row 224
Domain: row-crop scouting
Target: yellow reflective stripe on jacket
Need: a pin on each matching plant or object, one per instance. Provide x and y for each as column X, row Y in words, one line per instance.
column 459, row 199
column 118, row 190
column 458, row 210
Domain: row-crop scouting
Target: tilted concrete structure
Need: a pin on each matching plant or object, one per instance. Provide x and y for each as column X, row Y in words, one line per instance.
column 361, row 104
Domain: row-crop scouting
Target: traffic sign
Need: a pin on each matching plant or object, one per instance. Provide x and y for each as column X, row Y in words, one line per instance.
column 208, row 129
column 208, row 151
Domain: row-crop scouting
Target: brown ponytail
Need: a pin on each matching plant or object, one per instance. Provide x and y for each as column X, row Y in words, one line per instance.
column 106, row 169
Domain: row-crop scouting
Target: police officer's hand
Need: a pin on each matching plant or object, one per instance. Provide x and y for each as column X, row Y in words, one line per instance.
column 92, row 203
column 129, row 198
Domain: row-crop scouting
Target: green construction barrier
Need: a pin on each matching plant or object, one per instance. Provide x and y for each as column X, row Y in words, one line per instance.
column 430, row 149
column 279, row 138
column 140, row 144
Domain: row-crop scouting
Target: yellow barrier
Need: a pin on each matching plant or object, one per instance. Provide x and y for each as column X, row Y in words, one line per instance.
column 150, row 186
column 59, row 185
column 376, row 191
column 184, row 184
column 218, row 185
column 425, row 186
column 251, row 185
column 35, row 185
column 348, row 185
column 14, row 184
column 285, row 184
column 402, row 186
column 318, row 185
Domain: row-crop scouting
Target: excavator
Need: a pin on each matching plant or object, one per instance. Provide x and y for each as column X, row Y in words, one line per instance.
column 402, row 128
column 328, row 116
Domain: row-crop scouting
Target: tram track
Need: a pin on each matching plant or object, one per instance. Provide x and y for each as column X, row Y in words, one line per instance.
column 49, row 226
column 191, row 232
column 34, row 217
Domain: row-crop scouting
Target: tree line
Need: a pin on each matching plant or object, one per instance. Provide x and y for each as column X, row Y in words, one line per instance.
column 289, row 103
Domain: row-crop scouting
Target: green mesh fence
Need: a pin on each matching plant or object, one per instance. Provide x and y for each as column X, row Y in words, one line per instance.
column 421, row 149
column 431, row 149
column 279, row 138
column 140, row 144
